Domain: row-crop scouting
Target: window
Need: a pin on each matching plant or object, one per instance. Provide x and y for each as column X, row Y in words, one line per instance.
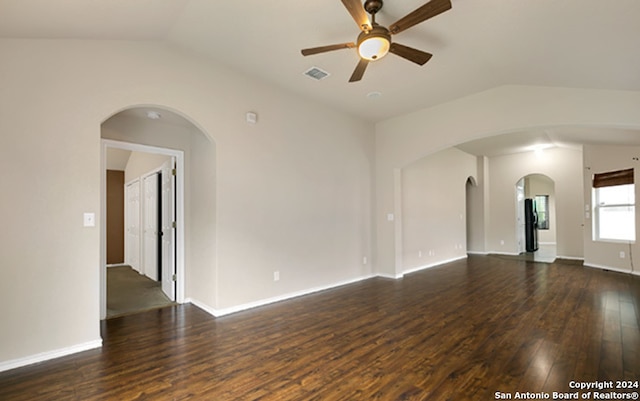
column 614, row 206
column 542, row 208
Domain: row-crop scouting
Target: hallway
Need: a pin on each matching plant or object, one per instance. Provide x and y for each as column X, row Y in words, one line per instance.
column 130, row 292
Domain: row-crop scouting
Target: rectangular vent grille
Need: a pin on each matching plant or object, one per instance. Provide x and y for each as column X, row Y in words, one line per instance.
column 316, row 73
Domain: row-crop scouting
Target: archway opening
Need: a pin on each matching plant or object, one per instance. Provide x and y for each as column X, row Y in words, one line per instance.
column 536, row 218
column 152, row 149
column 474, row 217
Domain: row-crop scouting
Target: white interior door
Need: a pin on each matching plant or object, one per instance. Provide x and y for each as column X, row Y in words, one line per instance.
column 132, row 217
column 520, row 222
column 150, row 223
column 167, row 217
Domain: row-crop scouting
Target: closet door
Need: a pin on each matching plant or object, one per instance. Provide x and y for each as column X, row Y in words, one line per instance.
column 132, row 224
column 168, row 237
column 151, row 226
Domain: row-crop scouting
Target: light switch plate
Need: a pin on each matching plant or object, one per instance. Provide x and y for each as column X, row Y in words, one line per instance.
column 89, row 219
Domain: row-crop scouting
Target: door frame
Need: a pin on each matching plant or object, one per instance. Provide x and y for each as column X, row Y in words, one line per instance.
column 179, row 210
column 166, row 217
column 520, row 190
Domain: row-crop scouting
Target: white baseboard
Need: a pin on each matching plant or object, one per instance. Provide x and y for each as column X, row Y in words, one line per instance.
column 480, row 253
column 439, row 263
column 569, row 257
column 613, row 269
column 391, row 276
column 250, row 305
column 202, row 306
column 45, row 356
column 117, row 265
column 227, row 311
column 504, row 253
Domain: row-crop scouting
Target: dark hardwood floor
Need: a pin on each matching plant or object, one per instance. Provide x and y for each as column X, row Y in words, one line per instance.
column 462, row 331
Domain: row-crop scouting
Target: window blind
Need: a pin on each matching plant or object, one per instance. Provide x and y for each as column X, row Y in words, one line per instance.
column 612, row 178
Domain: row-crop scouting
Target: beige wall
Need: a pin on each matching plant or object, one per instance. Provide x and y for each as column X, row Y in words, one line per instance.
column 289, row 194
column 434, row 208
column 490, row 205
column 506, row 109
column 599, row 159
column 477, row 198
column 292, row 193
column 564, row 167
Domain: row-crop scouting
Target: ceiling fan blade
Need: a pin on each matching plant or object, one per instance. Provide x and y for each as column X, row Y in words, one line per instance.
column 359, row 71
column 358, row 13
column 323, row 49
column 409, row 53
column 423, row 13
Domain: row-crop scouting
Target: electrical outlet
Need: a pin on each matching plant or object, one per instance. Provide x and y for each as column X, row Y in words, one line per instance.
column 419, row 254
column 501, row 242
column 622, row 255
column 276, row 276
column 364, row 260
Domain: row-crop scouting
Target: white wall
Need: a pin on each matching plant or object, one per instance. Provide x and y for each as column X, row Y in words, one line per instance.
column 294, row 196
column 434, row 208
column 478, row 201
column 402, row 140
column 143, row 163
column 564, row 167
column 292, row 193
column 600, row 159
column 201, row 245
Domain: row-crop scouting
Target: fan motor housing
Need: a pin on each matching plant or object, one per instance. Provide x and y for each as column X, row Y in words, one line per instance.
column 376, row 31
column 372, row 6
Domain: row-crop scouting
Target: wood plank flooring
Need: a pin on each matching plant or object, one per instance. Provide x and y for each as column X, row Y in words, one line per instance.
column 462, row 331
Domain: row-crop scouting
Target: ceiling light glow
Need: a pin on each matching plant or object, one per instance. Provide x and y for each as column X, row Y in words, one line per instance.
column 374, row 48
column 153, row 115
column 374, row 45
column 539, row 149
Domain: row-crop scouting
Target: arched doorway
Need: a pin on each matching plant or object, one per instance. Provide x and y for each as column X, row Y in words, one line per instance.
column 536, row 218
column 474, row 217
column 156, row 143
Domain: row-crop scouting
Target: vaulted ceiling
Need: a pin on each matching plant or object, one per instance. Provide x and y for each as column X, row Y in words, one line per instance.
column 477, row 45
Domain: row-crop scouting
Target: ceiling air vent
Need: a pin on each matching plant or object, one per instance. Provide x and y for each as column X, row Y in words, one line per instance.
column 316, row 73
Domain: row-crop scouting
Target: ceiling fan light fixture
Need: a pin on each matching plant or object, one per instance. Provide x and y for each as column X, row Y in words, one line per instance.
column 374, row 41
column 375, row 44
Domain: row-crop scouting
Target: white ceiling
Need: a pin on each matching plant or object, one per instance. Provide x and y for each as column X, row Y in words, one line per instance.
column 117, row 159
column 561, row 137
column 477, row 45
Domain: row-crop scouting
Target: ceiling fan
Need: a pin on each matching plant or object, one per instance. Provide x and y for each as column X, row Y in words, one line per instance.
column 374, row 42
